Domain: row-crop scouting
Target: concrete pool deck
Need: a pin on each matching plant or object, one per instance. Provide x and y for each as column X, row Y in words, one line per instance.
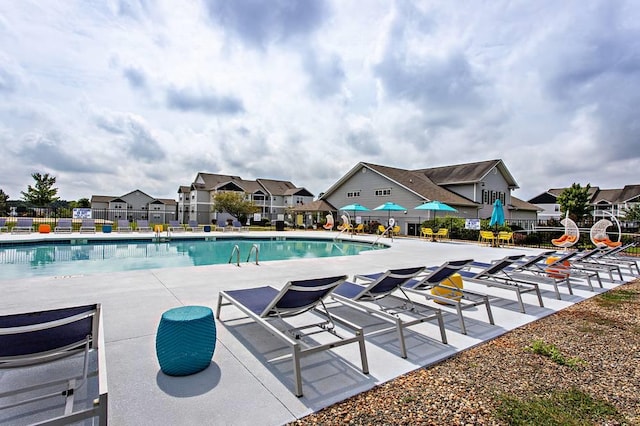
column 248, row 381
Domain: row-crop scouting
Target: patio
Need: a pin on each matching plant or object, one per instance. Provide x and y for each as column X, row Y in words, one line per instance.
column 242, row 385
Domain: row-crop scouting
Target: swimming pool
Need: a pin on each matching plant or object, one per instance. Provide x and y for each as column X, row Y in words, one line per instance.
column 81, row 257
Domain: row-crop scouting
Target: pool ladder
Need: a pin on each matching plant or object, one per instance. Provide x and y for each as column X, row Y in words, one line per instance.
column 236, row 251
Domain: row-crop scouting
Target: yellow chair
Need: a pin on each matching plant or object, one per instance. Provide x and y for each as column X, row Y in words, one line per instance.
column 442, row 233
column 396, row 230
column 381, row 229
column 427, row 233
column 505, row 237
column 359, row 229
column 487, row 237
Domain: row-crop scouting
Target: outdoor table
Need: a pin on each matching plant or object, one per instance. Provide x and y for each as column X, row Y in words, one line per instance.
column 186, row 340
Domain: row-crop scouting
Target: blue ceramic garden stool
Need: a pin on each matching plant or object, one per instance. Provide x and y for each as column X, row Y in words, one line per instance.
column 186, row 340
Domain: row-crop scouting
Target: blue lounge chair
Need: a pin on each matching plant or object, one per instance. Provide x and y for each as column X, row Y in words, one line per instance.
column 379, row 286
column 23, row 226
column 462, row 298
column 49, row 344
column 123, row 225
column 175, row 226
column 64, row 226
column 3, row 225
column 88, row 226
column 143, row 226
column 264, row 304
column 193, row 226
column 527, row 271
column 497, row 275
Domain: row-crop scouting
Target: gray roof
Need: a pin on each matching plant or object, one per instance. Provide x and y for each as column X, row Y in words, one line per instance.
column 420, row 184
column 466, row 173
column 519, row 204
column 611, row 196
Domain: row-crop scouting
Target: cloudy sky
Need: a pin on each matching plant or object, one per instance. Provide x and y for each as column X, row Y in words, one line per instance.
column 115, row 95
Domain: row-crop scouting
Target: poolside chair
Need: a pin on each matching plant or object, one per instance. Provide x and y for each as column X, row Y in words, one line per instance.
column 548, row 263
column 64, row 226
column 427, row 233
column 590, row 260
column 439, row 278
column 496, row 275
column 194, row 227
column 124, row 225
column 487, row 237
column 266, row 306
column 221, row 226
column 23, row 226
column 527, row 271
column 359, row 229
column 616, row 255
column 505, row 238
column 369, row 295
column 345, row 226
column 237, row 226
column 174, row 226
column 143, row 226
column 63, row 350
column 88, row 226
column 3, row 225
column 441, row 234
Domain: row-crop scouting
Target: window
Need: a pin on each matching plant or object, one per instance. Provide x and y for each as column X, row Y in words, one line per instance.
column 353, row 194
column 382, row 192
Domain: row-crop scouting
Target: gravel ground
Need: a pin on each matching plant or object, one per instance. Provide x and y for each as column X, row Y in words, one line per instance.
column 463, row 389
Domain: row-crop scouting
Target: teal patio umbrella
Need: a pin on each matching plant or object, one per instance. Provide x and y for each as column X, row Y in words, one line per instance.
column 436, row 206
column 390, row 207
column 355, row 207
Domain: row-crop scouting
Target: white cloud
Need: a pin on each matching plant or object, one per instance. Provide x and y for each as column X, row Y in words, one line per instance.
column 118, row 95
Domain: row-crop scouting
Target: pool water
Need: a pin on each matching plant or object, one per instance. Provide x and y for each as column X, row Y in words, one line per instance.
column 23, row 261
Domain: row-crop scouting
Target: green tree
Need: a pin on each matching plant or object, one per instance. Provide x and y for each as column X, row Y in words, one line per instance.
column 575, row 200
column 83, row 202
column 632, row 214
column 233, row 203
column 4, row 208
column 44, row 193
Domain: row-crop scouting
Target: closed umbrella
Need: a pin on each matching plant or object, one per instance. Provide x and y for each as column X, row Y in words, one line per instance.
column 390, row 207
column 497, row 215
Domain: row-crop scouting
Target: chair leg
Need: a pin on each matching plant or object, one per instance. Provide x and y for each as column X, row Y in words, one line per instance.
column 297, row 375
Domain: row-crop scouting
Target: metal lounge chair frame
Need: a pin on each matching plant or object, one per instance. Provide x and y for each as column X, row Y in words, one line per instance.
column 143, row 226
column 423, row 285
column 88, row 226
column 529, row 272
column 193, row 226
column 23, row 226
column 496, row 275
column 44, row 339
column 614, row 256
column 124, row 225
column 591, row 260
column 175, row 226
column 559, row 268
column 265, row 305
column 64, row 226
column 379, row 286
